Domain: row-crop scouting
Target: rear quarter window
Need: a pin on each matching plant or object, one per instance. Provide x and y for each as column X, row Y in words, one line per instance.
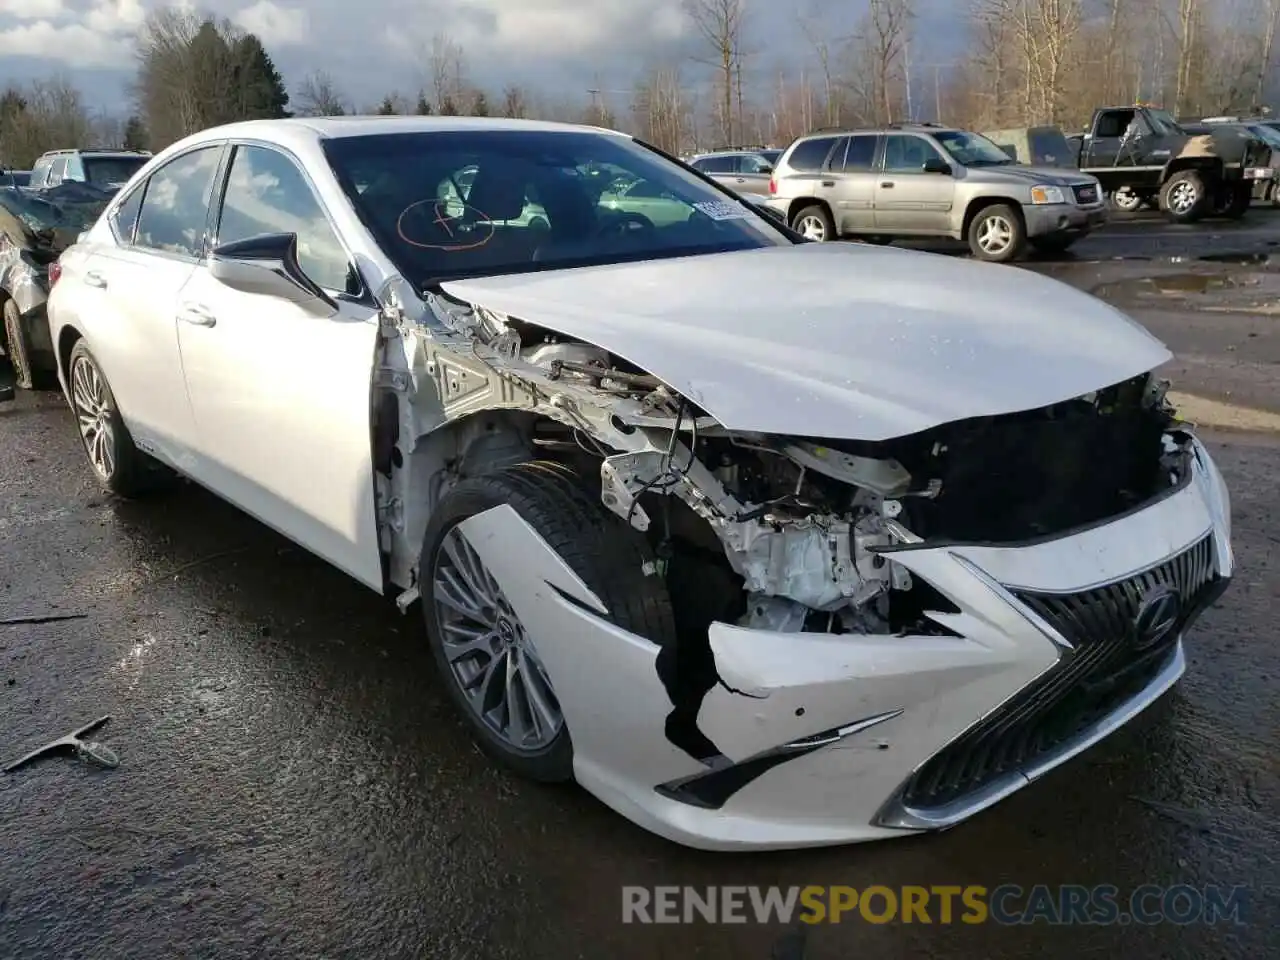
column 808, row 156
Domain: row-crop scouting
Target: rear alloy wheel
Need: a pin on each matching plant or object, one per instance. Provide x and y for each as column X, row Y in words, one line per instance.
column 120, row 466
column 997, row 234
column 1184, row 197
column 486, row 655
column 814, row 223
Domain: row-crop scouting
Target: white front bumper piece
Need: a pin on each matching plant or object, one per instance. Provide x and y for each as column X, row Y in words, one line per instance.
column 823, row 739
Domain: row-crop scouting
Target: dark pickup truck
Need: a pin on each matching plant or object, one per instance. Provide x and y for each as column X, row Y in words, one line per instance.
column 1142, row 155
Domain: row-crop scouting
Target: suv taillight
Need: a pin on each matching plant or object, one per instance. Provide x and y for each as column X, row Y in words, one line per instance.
column 55, row 271
column 773, row 185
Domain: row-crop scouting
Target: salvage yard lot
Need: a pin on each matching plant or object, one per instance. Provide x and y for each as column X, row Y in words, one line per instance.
column 294, row 783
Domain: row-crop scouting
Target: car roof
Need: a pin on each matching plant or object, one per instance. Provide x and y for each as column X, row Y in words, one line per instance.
column 889, row 128
column 333, row 128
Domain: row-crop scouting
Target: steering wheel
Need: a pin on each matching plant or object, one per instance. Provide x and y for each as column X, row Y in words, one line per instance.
column 623, row 222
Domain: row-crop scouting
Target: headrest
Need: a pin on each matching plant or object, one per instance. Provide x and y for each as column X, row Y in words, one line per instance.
column 498, row 193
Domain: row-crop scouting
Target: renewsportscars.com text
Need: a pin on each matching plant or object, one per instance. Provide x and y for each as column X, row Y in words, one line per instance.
column 1007, row 904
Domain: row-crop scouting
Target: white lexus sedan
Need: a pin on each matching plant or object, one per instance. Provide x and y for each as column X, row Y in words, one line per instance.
column 765, row 543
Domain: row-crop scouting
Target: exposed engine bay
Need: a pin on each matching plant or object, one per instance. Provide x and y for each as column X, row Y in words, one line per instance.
column 779, row 533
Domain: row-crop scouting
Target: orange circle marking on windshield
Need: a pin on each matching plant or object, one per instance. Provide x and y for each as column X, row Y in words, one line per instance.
column 443, row 219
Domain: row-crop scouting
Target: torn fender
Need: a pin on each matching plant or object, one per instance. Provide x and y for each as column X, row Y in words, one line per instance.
column 605, row 678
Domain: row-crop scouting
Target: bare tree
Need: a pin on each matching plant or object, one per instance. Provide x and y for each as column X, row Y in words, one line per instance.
column 660, row 110
column 1271, row 11
column 44, row 115
column 318, row 96
column 515, row 103
column 448, row 70
column 1188, row 24
column 720, row 24
column 817, row 32
column 883, row 37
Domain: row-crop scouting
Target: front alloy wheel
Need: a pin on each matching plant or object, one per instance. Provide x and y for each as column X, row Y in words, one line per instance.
column 997, row 234
column 485, row 651
column 489, row 653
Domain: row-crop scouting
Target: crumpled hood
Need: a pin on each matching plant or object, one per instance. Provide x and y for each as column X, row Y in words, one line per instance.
column 843, row 341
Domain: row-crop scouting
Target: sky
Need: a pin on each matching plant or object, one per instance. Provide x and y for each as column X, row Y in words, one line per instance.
column 373, row 47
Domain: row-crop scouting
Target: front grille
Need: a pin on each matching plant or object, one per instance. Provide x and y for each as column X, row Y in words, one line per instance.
column 1105, row 668
column 1086, row 194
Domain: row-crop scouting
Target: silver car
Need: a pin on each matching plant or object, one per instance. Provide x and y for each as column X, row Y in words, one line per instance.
column 930, row 181
column 742, row 171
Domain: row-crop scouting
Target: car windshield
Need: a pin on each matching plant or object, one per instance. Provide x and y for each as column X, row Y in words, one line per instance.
column 112, row 170
column 475, row 203
column 1268, row 135
column 972, row 149
column 772, row 156
column 1162, row 122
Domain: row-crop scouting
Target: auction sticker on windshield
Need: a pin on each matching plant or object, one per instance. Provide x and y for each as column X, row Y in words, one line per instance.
column 721, row 210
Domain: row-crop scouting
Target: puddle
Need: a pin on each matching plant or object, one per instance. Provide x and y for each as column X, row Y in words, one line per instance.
column 1244, row 258
column 1188, row 283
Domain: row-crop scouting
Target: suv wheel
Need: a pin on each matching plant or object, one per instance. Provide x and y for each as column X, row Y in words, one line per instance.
column 997, row 234
column 1126, row 200
column 814, row 223
column 1184, row 196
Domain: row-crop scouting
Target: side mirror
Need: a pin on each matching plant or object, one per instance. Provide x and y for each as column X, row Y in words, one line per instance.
column 268, row 265
column 937, row 165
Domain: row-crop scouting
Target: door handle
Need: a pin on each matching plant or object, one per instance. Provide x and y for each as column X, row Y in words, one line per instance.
column 742, row 179
column 828, row 183
column 887, row 184
column 196, row 315
column 94, row 279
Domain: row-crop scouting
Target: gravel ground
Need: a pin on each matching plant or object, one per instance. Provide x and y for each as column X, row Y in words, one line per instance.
column 293, row 783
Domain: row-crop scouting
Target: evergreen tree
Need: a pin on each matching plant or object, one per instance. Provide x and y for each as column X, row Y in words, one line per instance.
column 262, row 92
column 387, row 107
column 480, row 105
column 135, row 134
column 424, row 106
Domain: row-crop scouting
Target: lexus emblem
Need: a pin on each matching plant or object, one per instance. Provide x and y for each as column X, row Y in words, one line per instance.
column 1157, row 617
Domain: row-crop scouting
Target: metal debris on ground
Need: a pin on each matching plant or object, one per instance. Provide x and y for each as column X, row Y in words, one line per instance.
column 92, row 752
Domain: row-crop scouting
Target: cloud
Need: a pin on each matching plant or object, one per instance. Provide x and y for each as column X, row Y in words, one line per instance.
column 32, row 9
column 541, row 29
column 275, row 25
column 71, row 42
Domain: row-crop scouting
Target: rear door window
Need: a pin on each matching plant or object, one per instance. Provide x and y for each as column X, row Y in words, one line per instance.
column 809, row 155
column 861, row 154
column 716, row 164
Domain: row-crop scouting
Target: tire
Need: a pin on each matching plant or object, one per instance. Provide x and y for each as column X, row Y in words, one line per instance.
column 25, row 375
column 118, row 464
column 608, row 555
column 1053, row 243
column 814, row 223
column 998, row 234
column 1238, row 200
column 1185, row 198
column 1127, row 201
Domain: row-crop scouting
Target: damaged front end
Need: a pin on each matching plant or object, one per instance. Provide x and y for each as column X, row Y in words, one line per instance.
column 847, row 610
